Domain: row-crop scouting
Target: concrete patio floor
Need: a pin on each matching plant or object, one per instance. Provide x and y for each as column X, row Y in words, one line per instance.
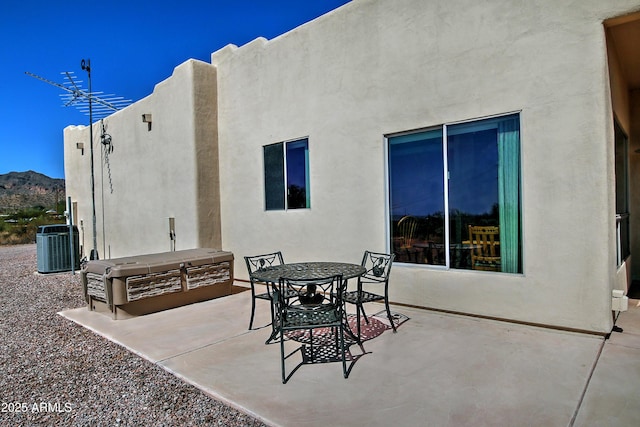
column 437, row 370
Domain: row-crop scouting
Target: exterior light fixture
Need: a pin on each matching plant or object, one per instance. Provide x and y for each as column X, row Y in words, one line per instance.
column 80, row 146
column 146, row 118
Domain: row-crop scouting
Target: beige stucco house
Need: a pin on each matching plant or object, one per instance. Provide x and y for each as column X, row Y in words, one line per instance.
column 394, row 126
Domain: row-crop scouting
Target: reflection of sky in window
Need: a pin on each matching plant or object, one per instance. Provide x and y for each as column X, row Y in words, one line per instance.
column 473, row 171
column 416, row 171
column 416, row 174
column 296, row 163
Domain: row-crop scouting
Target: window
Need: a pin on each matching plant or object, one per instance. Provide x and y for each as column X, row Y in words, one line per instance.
column 622, row 195
column 286, row 175
column 443, row 180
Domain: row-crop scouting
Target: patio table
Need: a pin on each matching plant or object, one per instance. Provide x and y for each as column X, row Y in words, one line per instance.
column 310, row 271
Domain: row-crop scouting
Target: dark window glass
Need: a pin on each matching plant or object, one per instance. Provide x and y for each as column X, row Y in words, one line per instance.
column 416, row 180
column 274, row 177
column 286, row 175
column 297, row 176
column 473, row 186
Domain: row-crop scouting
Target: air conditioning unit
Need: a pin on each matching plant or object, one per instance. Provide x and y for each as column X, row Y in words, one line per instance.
column 54, row 248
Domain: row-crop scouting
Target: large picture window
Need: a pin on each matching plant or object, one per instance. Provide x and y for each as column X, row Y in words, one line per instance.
column 286, row 175
column 454, row 194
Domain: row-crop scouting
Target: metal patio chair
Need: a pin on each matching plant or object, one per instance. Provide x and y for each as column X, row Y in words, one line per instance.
column 256, row 263
column 308, row 305
column 378, row 266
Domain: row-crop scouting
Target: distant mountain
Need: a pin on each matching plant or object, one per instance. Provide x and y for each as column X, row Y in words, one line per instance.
column 19, row 190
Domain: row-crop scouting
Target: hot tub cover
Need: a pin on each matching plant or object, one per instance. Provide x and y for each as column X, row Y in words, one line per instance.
column 154, row 263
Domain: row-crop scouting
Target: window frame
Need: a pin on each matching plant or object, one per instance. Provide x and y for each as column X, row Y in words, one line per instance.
column 445, row 160
column 285, row 147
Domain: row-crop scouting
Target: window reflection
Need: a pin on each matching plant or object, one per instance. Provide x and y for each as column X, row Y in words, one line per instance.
column 417, row 196
column 473, row 186
column 431, row 215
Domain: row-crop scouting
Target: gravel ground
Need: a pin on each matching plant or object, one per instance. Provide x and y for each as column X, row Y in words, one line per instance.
column 53, row 372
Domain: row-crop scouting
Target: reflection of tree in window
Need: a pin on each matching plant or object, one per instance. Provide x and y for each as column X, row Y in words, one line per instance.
column 416, row 181
column 297, row 153
column 297, row 197
column 473, row 179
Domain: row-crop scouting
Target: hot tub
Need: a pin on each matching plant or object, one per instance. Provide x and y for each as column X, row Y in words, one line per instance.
column 137, row 285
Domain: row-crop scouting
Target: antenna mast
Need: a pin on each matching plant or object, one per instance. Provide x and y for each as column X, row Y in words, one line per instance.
column 84, row 102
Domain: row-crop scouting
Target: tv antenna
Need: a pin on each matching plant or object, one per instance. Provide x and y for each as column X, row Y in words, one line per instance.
column 95, row 105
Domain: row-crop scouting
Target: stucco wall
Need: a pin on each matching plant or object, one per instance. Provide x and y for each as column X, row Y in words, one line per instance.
column 376, row 67
column 345, row 80
column 151, row 175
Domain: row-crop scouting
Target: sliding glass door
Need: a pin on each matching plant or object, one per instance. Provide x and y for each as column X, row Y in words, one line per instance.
column 448, row 182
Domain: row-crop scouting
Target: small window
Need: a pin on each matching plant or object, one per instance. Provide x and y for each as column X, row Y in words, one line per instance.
column 286, row 175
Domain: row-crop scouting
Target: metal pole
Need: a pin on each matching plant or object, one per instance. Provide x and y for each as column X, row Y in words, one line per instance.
column 94, row 253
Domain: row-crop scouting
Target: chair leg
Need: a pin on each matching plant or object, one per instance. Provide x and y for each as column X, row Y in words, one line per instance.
column 393, row 325
column 273, row 315
column 274, row 330
column 358, row 319
column 344, row 359
column 364, row 314
column 284, row 377
column 253, row 309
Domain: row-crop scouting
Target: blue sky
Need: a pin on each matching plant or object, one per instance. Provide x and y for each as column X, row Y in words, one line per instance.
column 132, row 46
